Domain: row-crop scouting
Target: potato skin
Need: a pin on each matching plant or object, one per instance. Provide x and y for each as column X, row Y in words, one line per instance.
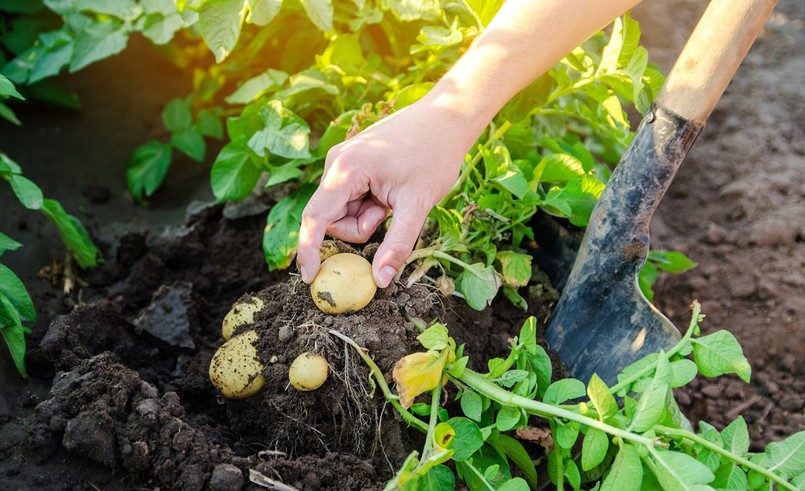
column 344, row 284
column 236, row 370
column 308, row 371
column 241, row 313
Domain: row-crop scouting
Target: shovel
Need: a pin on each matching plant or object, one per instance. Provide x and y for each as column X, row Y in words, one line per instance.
column 602, row 321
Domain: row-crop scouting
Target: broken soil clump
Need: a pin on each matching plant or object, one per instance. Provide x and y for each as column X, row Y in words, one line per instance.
column 134, row 396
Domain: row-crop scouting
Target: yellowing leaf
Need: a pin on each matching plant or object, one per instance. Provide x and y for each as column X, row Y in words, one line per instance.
column 417, row 373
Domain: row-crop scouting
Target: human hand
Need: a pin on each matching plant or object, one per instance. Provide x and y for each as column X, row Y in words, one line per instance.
column 403, row 164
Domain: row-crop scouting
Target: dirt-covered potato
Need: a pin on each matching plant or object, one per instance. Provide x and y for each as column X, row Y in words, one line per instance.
column 240, row 314
column 344, row 284
column 308, row 371
column 236, row 370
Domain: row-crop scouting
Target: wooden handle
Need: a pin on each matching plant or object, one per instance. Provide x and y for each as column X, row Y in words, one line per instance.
column 712, row 55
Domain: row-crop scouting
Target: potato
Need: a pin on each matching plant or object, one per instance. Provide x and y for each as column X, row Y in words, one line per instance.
column 241, row 313
column 235, row 369
column 344, row 284
column 308, row 371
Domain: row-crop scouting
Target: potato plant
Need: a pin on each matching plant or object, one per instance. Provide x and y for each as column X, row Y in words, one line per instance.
column 282, row 82
column 644, row 442
column 16, row 305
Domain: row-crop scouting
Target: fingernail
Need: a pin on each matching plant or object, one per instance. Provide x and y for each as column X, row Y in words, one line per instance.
column 385, row 276
column 305, row 275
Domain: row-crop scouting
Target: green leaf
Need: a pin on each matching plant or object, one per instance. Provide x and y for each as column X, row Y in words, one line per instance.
column 676, row 470
column 219, row 22
column 514, row 484
column 412, row 10
column 176, row 116
column 563, row 390
column 594, row 448
column 209, row 124
column 160, row 28
column 513, row 181
column 787, row 457
column 602, row 399
column 8, row 244
column 147, row 167
column 14, row 335
column 511, row 377
column 437, row 478
column 671, row 261
column 434, row 337
column 284, row 134
column 320, row 13
column 566, row 434
column 233, row 175
column 283, row 173
column 508, row 418
column 191, row 143
column 122, row 9
column 262, row 12
column 253, row 88
column 479, row 285
column 27, row 192
column 97, row 41
column 730, row 476
column 576, row 200
column 72, row 232
column 736, row 437
column 335, row 133
column 12, row 289
column 559, row 167
column 7, row 114
column 281, row 235
column 471, row 405
column 541, row 365
column 682, row 372
column 56, row 52
column 626, row 472
column 572, row 474
column 8, row 166
column 515, row 268
column 468, row 438
column 650, row 406
column 514, row 450
column 718, row 354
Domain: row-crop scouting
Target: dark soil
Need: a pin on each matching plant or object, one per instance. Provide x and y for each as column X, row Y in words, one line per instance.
column 116, row 401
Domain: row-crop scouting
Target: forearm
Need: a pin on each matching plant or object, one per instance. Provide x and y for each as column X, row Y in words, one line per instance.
column 525, row 39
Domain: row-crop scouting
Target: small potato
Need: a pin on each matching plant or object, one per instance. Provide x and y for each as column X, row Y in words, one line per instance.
column 344, row 284
column 235, row 369
column 241, row 313
column 308, row 371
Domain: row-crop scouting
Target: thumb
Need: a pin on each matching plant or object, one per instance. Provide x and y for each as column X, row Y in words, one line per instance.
column 406, row 224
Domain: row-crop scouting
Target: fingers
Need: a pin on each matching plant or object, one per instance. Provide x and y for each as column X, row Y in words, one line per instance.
column 324, row 207
column 406, row 224
column 362, row 218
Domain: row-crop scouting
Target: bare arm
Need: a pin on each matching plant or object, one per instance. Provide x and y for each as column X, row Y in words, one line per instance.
column 408, row 161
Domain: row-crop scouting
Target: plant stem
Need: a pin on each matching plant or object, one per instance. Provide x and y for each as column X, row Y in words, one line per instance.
column 434, row 417
column 671, row 432
column 381, row 381
column 483, row 386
